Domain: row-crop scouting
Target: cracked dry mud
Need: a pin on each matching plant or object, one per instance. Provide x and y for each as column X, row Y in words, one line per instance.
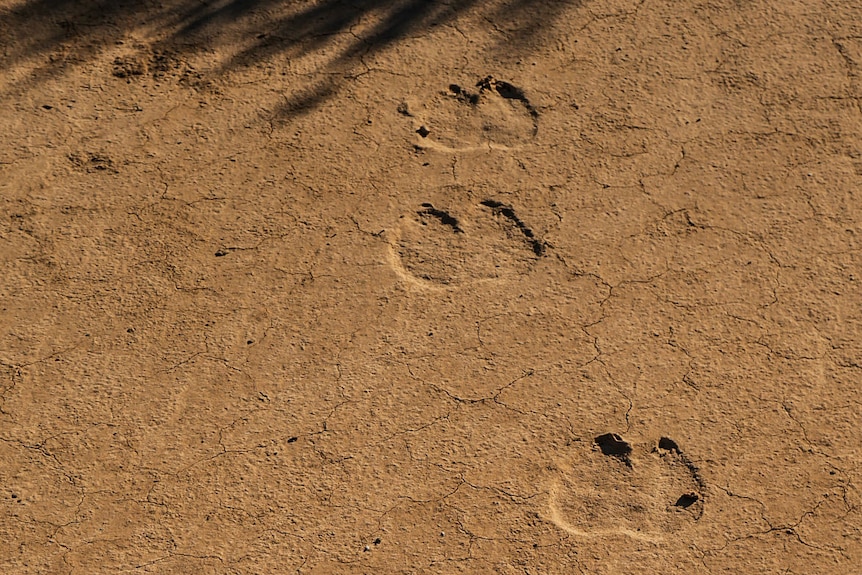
column 509, row 286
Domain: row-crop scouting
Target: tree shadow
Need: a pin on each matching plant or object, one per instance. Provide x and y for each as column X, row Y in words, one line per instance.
column 51, row 37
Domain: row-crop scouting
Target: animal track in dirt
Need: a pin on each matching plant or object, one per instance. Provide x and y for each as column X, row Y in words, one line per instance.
column 614, row 488
column 137, row 60
column 493, row 114
column 140, row 60
column 463, row 243
column 507, row 212
column 92, row 162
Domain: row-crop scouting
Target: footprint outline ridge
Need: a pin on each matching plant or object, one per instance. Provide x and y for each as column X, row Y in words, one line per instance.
column 452, row 242
column 647, row 491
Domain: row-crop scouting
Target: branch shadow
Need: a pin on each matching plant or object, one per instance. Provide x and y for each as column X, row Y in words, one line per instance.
column 51, row 37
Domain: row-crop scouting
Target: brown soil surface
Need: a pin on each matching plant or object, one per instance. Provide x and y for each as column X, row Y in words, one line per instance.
column 511, row 286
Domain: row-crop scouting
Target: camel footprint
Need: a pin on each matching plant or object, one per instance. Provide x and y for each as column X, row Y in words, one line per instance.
column 646, row 492
column 457, row 244
column 493, row 114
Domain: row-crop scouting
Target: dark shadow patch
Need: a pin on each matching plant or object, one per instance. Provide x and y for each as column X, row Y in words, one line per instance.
column 64, row 34
column 613, row 445
column 445, row 217
column 508, row 212
column 686, row 500
column 463, row 95
column 668, row 444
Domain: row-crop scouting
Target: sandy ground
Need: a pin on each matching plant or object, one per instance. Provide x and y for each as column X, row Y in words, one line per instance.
column 418, row 287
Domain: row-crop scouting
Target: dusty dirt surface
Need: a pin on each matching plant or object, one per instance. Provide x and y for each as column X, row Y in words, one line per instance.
column 521, row 286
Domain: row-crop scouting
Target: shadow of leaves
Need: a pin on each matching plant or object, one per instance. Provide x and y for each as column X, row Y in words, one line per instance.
column 53, row 37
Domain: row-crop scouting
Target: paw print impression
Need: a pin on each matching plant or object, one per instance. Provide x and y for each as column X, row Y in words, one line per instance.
column 645, row 492
column 492, row 114
column 437, row 245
